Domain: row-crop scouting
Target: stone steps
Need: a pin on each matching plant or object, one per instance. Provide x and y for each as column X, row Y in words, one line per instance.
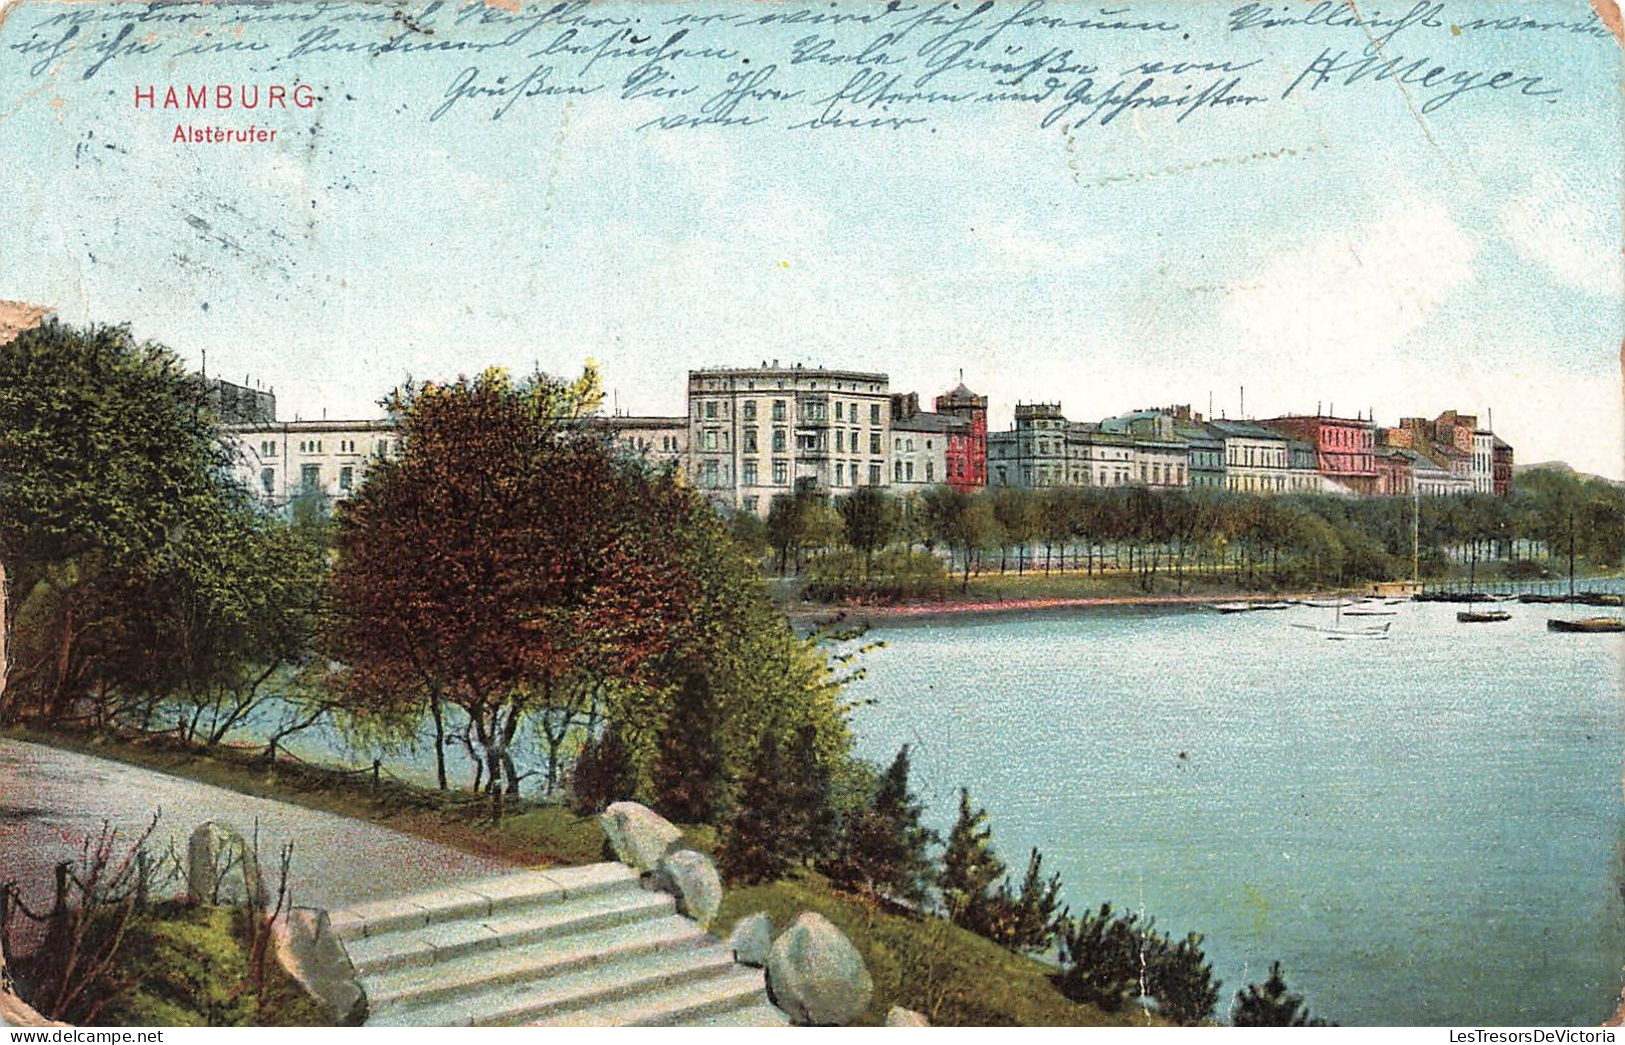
column 481, row 970
column 587, row 946
column 732, row 998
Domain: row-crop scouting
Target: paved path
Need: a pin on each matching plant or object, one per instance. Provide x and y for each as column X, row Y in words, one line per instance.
column 52, row 800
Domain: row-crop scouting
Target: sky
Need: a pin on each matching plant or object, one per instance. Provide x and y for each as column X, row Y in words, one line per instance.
column 1334, row 249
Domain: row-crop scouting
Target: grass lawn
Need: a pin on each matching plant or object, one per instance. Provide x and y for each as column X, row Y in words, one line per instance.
column 954, row 977
column 181, row 966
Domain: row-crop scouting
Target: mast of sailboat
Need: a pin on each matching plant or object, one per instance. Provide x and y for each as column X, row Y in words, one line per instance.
column 1416, row 533
column 1571, row 556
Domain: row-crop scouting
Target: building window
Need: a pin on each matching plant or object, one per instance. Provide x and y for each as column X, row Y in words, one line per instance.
column 750, row 440
column 346, row 478
column 750, row 504
column 711, row 472
column 897, row 471
column 268, row 480
column 778, row 440
column 874, row 413
column 778, row 409
column 930, row 471
column 749, row 473
column 310, row 478
column 711, row 439
column 838, row 405
column 781, row 473
column 840, row 471
column 711, row 410
column 874, row 473
column 750, row 409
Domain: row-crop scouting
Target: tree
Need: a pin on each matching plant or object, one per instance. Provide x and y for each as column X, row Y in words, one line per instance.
column 504, row 552
column 884, row 848
column 1181, row 978
column 108, row 450
column 869, row 519
column 960, row 521
column 1013, row 511
column 688, row 766
column 970, row 869
column 1036, row 917
column 1270, row 1005
column 784, row 521
column 782, row 818
column 1105, row 959
column 603, row 772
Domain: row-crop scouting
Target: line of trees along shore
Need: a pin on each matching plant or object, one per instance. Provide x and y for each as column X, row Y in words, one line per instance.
column 871, row 541
column 591, row 623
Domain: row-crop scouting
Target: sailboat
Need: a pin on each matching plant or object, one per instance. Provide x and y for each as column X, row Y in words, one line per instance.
column 1587, row 625
column 1338, row 631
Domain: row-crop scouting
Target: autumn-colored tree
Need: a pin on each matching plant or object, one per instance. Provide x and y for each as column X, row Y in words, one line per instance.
column 502, row 553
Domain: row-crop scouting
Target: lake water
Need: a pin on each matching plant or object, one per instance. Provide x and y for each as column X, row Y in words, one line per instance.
column 1424, row 830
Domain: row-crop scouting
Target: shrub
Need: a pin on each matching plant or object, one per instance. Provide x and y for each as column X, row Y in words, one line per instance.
column 1105, row 957
column 1269, row 1004
column 1181, row 978
column 894, row 576
column 604, row 772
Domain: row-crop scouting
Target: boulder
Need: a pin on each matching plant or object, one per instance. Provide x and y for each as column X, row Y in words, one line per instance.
column 693, row 879
column 815, row 974
column 752, row 939
column 221, row 866
column 897, row 1016
column 313, row 954
column 639, row 835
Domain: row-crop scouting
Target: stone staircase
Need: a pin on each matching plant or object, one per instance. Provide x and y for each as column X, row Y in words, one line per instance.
column 577, row 946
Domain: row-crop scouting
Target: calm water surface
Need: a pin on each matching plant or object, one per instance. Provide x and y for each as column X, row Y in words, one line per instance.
column 1424, row 830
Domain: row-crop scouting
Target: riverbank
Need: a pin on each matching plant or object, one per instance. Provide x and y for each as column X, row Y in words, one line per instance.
column 996, row 607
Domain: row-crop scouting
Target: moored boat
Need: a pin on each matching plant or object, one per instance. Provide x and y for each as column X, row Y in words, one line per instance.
column 1486, row 617
column 1586, row 624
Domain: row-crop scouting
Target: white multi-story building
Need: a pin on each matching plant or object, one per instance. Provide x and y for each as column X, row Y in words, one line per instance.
column 1255, row 457
column 1483, row 468
column 919, row 444
column 661, row 440
column 280, row 461
column 759, row 432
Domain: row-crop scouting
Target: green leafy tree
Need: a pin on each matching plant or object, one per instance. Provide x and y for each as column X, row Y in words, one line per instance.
column 1270, row 1004
column 869, row 519
column 108, row 451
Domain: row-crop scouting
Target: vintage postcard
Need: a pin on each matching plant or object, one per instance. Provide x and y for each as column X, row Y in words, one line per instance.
column 794, row 513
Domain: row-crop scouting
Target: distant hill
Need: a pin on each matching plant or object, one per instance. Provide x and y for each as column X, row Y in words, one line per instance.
column 1562, row 466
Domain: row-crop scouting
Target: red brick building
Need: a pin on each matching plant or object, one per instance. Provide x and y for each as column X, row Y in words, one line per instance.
column 967, row 443
column 1503, row 467
column 1344, row 447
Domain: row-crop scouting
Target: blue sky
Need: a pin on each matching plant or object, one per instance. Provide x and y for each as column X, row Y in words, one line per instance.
column 1333, row 247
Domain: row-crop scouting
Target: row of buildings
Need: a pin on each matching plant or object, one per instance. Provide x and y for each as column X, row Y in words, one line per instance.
column 753, row 433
